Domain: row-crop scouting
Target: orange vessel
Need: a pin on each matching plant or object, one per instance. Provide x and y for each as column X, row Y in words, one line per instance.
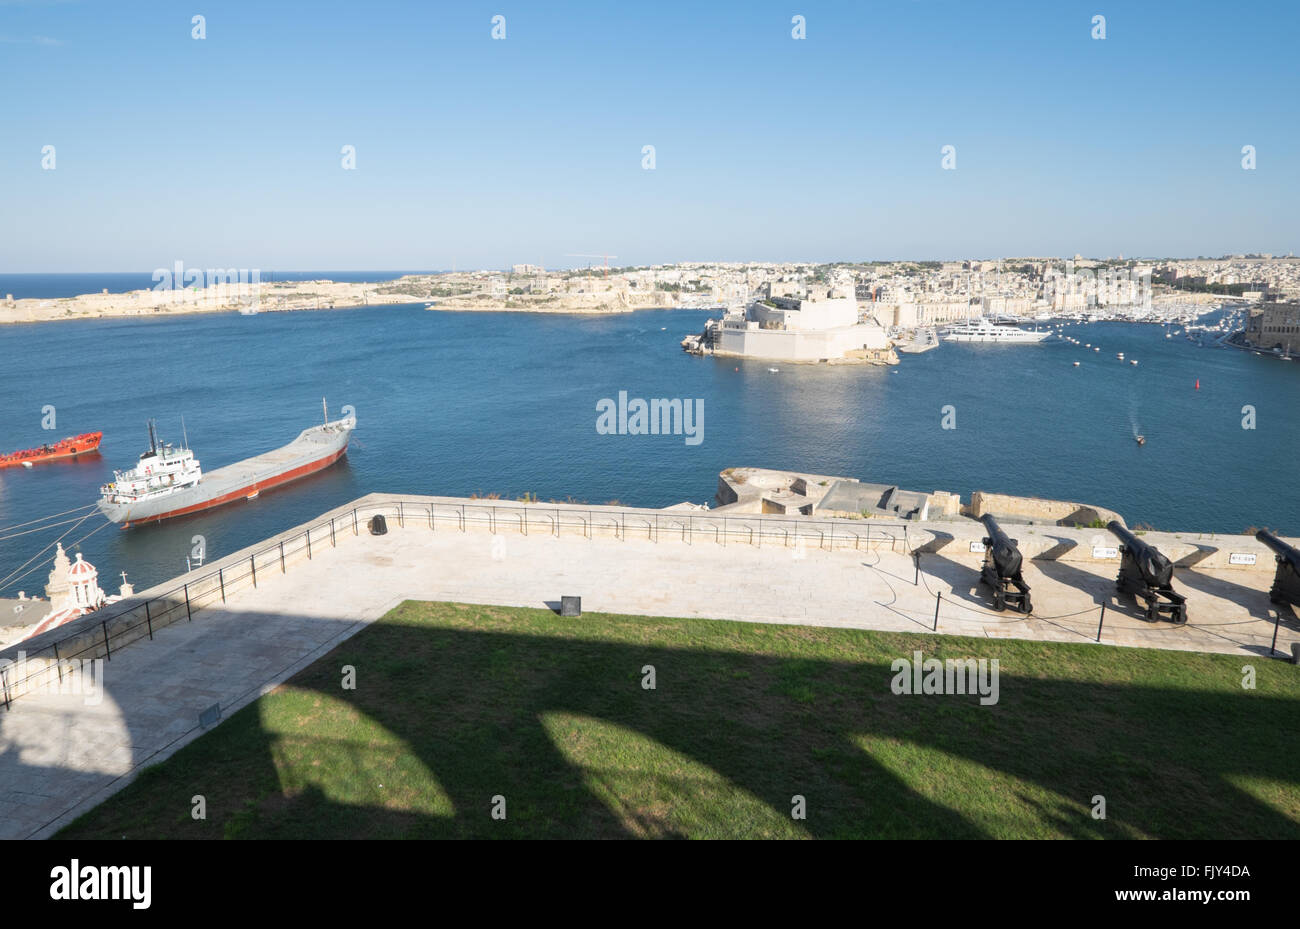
column 67, row 448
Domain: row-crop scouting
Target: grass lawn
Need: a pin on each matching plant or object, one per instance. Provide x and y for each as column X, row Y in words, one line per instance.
column 457, row 704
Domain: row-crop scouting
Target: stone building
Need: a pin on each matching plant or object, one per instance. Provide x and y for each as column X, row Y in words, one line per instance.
column 821, row 325
column 73, row 590
column 1275, row 326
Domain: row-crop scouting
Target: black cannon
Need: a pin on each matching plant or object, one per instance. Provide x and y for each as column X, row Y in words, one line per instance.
column 1001, row 570
column 1286, row 583
column 1147, row 575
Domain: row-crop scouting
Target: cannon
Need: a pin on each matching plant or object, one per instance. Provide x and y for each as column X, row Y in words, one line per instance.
column 1286, row 582
column 1001, row 569
column 1146, row 575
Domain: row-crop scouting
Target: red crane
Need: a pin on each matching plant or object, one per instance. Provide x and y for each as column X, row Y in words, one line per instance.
column 606, row 257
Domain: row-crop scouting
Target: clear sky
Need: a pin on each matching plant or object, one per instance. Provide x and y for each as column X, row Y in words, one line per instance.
column 475, row 152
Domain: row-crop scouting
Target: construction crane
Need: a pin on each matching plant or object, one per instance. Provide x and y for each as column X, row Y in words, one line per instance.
column 606, row 257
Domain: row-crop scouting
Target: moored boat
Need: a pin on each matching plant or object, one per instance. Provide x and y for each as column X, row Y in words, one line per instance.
column 70, row 447
column 169, row 482
column 984, row 330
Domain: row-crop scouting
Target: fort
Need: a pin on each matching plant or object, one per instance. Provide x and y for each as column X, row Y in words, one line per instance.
column 792, row 322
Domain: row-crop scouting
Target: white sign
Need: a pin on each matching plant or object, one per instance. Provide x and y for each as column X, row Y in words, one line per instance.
column 1241, row 558
column 1100, row 551
column 977, row 546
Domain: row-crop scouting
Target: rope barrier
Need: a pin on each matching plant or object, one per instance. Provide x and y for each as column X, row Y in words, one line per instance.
column 1146, row 627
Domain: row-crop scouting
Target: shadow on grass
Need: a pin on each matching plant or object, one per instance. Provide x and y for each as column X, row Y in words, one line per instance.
column 457, row 705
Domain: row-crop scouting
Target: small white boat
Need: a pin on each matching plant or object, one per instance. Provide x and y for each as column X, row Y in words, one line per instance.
column 773, row 370
column 1133, row 361
column 1076, row 364
column 1096, row 349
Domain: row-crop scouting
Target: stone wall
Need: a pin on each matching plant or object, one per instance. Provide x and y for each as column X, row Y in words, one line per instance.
column 1056, row 512
column 103, row 633
column 34, row 663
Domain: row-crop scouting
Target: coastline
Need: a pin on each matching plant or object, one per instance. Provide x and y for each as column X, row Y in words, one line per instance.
column 274, row 297
column 289, row 296
column 477, row 291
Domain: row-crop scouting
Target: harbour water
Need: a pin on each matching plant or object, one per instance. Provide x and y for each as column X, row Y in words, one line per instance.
column 506, row 403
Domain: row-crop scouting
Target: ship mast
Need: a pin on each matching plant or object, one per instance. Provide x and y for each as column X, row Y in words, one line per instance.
column 153, row 438
column 326, row 410
column 184, row 436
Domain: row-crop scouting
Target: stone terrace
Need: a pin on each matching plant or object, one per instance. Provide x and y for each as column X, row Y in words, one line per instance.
column 59, row 756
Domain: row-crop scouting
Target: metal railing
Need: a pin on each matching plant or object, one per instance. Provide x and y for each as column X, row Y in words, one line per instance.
column 114, row 627
column 627, row 523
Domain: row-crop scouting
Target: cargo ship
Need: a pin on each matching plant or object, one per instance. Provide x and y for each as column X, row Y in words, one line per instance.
column 169, row 481
column 70, row 447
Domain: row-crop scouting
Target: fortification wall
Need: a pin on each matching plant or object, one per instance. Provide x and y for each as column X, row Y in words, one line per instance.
column 1037, row 509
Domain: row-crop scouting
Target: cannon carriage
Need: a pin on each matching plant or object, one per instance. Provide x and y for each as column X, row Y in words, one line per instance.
column 1147, row 576
column 1286, row 582
column 1001, row 571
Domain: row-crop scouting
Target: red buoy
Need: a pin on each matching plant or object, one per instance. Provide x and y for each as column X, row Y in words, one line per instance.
column 1198, row 383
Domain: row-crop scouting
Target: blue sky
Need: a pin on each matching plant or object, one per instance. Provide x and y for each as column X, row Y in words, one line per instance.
column 472, row 152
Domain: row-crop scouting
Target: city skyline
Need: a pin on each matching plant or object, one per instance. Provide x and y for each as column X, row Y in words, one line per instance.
column 475, row 152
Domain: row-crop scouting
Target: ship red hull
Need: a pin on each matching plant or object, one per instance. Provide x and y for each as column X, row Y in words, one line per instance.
column 83, row 444
column 243, row 493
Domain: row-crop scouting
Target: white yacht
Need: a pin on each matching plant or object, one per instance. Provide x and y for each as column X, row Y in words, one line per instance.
column 982, row 330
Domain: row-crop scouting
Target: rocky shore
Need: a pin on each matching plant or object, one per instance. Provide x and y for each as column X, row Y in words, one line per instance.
column 459, row 292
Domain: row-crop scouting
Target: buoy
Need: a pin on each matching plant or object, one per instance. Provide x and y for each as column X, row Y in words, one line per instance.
column 1198, row 383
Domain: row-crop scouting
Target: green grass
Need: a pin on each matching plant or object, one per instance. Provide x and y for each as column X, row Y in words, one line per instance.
column 456, row 704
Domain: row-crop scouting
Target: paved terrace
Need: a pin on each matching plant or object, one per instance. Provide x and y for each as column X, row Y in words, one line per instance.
column 235, row 641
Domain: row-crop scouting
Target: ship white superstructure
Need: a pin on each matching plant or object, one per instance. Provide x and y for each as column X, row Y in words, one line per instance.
column 982, row 330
